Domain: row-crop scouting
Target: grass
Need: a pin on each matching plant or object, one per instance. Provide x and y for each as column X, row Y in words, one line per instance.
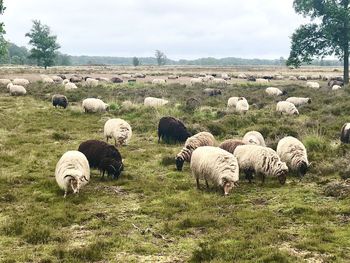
column 154, row 213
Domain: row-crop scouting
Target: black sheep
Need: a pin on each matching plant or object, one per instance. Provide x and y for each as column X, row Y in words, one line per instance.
column 116, row 80
column 59, row 100
column 212, row 92
column 172, row 130
column 103, row 156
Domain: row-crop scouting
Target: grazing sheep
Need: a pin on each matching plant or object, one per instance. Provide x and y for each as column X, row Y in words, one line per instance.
column 65, row 81
column 207, row 78
column 298, row 101
column 254, row 137
column 192, row 143
column 159, row 81
column 70, row 86
column 278, row 77
column 76, row 79
column 262, row 81
column 17, row 90
column 293, row 153
column 218, row 81
column 232, row 102
column 311, row 84
column 62, row 76
column 47, row 79
column 345, row 133
column 293, row 78
column 119, row 130
column 225, row 76
column 127, row 76
column 154, row 102
column 212, row 92
column 90, row 82
column 57, row 79
column 5, row 82
column 268, row 77
column 242, row 76
column 242, row 106
column 94, row 105
column 262, row 161
column 173, row 77
column 332, row 82
column 72, row 170
column 215, row 165
column 171, row 129
column 103, row 156
column 59, row 100
column 274, row 91
column 20, row 82
column 287, row 107
column 139, row 75
column 336, row 87
column 302, row 77
column 230, row 145
column 195, row 81
column 116, row 80
column 251, row 78
column 101, row 79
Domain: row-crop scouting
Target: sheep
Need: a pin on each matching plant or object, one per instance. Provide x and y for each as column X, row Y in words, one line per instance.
column 336, row 87
column 70, row 86
column 57, row 79
column 298, row 101
column 116, row 80
column 76, row 79
column 139, row 75
column 172, row 129
column 17, row 90
column 90, row 82
column 345, row 133
column 173, row 77
column 242, row 106
column 232, row 102
column 94, row 105
column 302, row 77
column 62, row 76
column 225, row 76
column 332, row 82
column 207, row 78
column 218, row 81
column 242, row 76
column 287, row 107
column 195, row 81
column 262, row 161
column 293, row 78
column 311, row 84
column 119, row 130
column 154, row 102
column 215, row 165
column 293, row 153
column 46, row 79
column 212, row 92
column 5, row 82
column 126, row 75
column 59, row 100
column 192, row 143
column 251, row 78
column 262, row 80
column 274, row 91
column 230, row 145
column 101, row 79
column 268, row 77
column 278, row 77
column 103, row 156
column 159, row 81
column 254, row 137
column 72, row 170
column 65, row 81
column 20, row 82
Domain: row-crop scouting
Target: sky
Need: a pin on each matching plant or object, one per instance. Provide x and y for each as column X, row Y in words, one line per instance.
column 184, row 29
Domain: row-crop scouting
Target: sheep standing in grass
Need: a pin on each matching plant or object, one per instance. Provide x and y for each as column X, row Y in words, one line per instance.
column 262, row 161
column 171, row 129
column 59, row 100
column 57, row 79
column 154, row 102
column 70, row 86
column 254, row 137
column 20, row 82
column 103, row 156
column 230, row 145
column 345, row 133
column 313, row 85
column 262, row 81
column 298, row 101
column 232, row 102
column 219, row 81
column 212, row 92
column 48, row 80
column 159, row 81
column 192, row 143
column 119, row 130
column 72, row 170
column 336, row 87
column 90, row 82
column 287, row 107
column 215, row 165
column 94, row 105
column 271, row 91
column 293, row 153
column 16, row 90
column 242, row 106
column 195, row 81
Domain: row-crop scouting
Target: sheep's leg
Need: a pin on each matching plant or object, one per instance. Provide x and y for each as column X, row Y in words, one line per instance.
column 197, row 181
column 107, row 138
column 262, row 178
column 65, row 193
column 206, row 182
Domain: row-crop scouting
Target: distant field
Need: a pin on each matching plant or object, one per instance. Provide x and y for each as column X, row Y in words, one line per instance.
column 154, row 213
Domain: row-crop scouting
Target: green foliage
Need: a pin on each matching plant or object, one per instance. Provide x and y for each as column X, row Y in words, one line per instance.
column 135, row 61
column 160, row 57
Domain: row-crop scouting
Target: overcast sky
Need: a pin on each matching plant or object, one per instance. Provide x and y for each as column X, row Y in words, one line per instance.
column 180, row 28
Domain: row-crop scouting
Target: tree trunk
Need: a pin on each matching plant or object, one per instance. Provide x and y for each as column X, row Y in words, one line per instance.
column 346, row 65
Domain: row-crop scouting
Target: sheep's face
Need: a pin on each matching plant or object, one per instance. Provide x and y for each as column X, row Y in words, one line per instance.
column 282, row 172
column 303, row 167
column 296, row 112
column 309, row 101
column 115, row 169
column 179, row 163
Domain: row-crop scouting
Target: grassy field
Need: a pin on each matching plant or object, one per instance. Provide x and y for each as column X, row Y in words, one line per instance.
column 154, row 213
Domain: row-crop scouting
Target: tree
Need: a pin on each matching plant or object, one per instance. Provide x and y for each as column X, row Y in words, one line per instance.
column 3, row 42
column 161, row 58
column 327, row 34
column 135, row 61
column 44, row 44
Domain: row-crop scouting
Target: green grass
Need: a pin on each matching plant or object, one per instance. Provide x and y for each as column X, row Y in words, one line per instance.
column 154, row 213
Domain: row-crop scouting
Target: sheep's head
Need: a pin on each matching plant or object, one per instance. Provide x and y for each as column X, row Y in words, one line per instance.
column 282, row 172
column 296, row 112
column 228, row 185
column 106, row 107
column 309, row 100
column 284, row 92
column 76, row 179
column 179, row 163
column 302, row 168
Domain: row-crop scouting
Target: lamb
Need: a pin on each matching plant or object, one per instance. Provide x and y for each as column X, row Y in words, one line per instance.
column 103, row 156
column 154, row 102
column 171, row 129
column 20, row 82
column 232, row 102
column 159, row 81
column 17, row 90
column 212, row 92
column 94, row 105
column 72, row 170
column 254, row 137
column 274, row 91
column 70, row 86
column 215, row 165
column 59, row 100
column 242, row 106
column 311, row 84
column 91, row 82
column 293, row 153
column 192, row 143
column 336, row 87
column 119, row 130
column 299, row 101
column 345, row 133
column 5, row 82
column 230, row 145
column 286, row 107
column 262, row 161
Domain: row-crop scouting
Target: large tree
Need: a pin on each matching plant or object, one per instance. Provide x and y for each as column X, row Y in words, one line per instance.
column 161, row 57
column 3, row 42
column 44, row 44
column 327, row 34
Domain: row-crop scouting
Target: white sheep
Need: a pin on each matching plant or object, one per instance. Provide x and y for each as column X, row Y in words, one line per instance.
column 293, row 78
column 90, row 82
column 94, row 105
column 21, row 82
column 312, row 84
column 287, row 107
column 159, row 81
column 254, row 137
column 207, row 78
column 65, row 81
column 195, row 81
column 192, row 143
column 70, row 86
column 293, row 153
column 232, row 102
column 260, row 160
column 72, row 170
column 215, row 165
column 242, row 106
column 5, row 82
column 57, row 79
column 119, row 130
column 336, row 87
column 225, row 76
column 218, row 81
column 262, row 81
column 298, row 101
column 17, row 90
column 302, row 77
column 154, row 102
column 345, row 133
column 271, row 91
column 242, row 76
column 46, row 79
